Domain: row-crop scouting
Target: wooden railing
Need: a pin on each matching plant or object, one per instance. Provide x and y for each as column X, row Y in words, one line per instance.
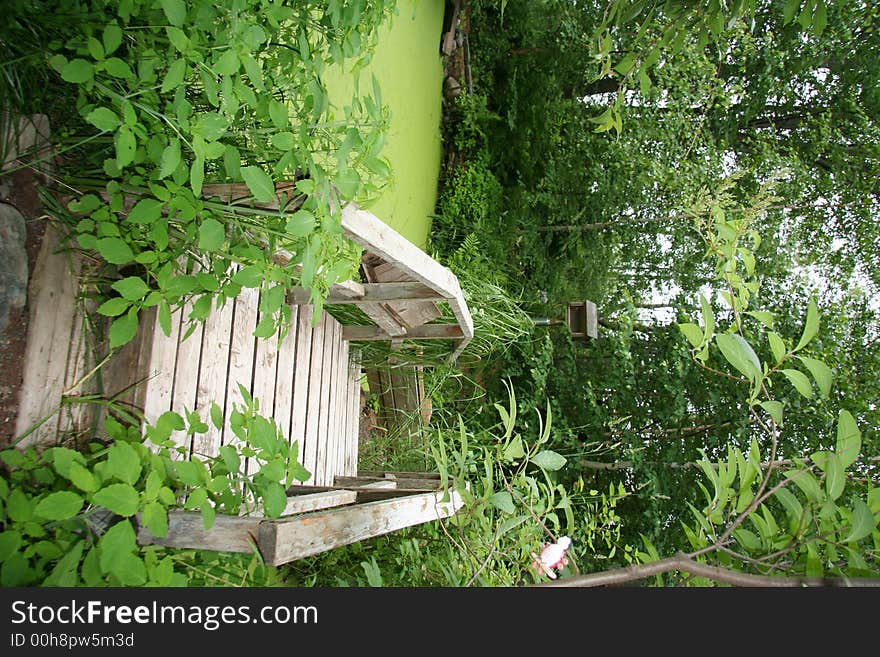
column 399, row 308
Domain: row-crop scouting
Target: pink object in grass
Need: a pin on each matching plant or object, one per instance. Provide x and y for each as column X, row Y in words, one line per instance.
column 552, row 557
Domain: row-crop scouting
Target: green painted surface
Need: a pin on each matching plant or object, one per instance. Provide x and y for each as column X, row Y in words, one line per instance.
column 408, row 66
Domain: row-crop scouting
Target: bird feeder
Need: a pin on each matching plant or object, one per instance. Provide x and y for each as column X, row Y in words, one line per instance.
column 583, row 320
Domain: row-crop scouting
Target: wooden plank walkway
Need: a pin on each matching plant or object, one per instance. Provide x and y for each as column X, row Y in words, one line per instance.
column 302, row 379
column 308, row 379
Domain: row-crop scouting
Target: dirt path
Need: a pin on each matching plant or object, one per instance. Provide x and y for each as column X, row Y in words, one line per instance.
column 22, row 194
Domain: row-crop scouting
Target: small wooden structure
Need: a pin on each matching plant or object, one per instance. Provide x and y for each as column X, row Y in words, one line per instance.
column 583, row 320
column 307, row 379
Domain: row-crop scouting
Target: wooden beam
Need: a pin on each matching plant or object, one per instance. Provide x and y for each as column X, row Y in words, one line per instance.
column 370, row 293
column 186, row 530
column 282, row 541
column 382, row 240
column 310, row 502
column 355, row 333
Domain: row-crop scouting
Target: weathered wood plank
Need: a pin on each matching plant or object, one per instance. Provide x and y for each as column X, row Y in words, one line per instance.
column 216, row 341
column 355, row 333
column 299, row 408
column 325, row 397
column 313, row 404
column 241, row 354
column 284, row 381
column 317, row 501
column 186, row 530
column 124, row 375
column 160, row 372
column 341, row 413
column 265, row 371
column 51, row 299
column 372, row 293
column 382, row 240
column 282, row 541
column 80, row 378
column 352, row 431
column 186, row 374
column 304, row 502
column 408, row 313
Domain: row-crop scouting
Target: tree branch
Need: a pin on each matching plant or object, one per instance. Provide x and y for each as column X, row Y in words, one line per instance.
column 682, row 563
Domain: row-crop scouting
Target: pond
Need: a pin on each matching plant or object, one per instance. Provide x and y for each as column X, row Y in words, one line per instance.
column 408, row 65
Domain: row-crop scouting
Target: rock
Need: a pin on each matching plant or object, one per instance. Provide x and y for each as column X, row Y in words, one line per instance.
column 13, row 262
column 451, row 87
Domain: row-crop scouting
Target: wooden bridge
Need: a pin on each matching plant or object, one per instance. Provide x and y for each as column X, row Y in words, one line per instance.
column 308, row 379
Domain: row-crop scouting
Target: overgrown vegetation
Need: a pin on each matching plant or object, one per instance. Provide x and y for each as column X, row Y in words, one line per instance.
column 703, row 171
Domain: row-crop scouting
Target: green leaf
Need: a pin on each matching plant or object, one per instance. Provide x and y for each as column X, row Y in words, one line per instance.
column 111, row 38
column 502, row 500
column 145, row 211
column 103, row 119
column 181, row 42
column 77, row 71
column 283, row 141
column 118, row 68
column 170, row 159
column 113, row 307
column 114, row 250
column 228, row 63
column 790, row 10
column 805, row 480
column 117, row 549
column 59, row 506
column 65, row 571
column 155, row 517
column 862, row 522
column 10, row 540
column 83, row 478
column 549, row 460
column 197, row 175
column 849, row 439
column 835, row 476
column 791, row 504
column 777, row 346
column 123, row 462
column 164, row 314
column 821, row 373
column 266, row 327
column 216, row 415
column 514, row 451
column 175, row 10
column 230, row 458
column 212, row 234
column 764, row 317
column 188, row 472
column 800, row 381
column 251, row 276
column 132, row 288
column 274, row 499
column 300, row 224
column 121, row 499
column 708, row 318
column 693, row 333
column 278, row 113
column 208, row 515
column 259, row 183
column 774, row 408
column 126, row 145
column 740, row 354
column 811, row 326
column 123, row 329
column 347, row 181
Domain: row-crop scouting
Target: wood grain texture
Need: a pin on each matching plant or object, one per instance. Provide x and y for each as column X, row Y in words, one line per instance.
column 282, row 541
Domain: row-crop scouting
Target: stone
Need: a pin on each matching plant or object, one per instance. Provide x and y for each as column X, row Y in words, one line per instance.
column 13, row 262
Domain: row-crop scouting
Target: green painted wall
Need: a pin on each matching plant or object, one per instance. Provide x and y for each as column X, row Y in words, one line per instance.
column 409, row 68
